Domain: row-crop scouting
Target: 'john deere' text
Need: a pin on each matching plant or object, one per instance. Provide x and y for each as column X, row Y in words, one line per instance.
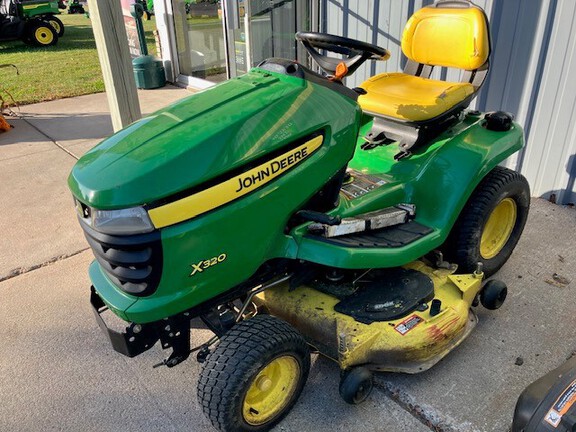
column 272, row 168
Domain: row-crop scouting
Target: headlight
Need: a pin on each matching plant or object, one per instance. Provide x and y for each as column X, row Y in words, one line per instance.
column 132, row 220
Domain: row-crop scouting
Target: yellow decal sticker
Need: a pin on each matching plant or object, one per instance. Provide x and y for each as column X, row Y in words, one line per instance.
column 229, row 190
column 206, row 264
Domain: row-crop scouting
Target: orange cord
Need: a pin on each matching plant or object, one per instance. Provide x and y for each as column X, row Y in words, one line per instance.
column 4, row 125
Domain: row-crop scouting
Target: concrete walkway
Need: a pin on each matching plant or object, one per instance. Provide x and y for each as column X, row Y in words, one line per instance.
column 58, row 372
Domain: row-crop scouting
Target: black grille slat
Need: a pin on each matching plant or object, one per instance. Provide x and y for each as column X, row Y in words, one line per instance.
column 132, row 262
column 125, row 274
column 118, row 256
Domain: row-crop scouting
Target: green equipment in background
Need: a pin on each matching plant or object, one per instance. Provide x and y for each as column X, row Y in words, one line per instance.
column 148, row 70
column 75, row 7
column 33, row 30
column 45, row 10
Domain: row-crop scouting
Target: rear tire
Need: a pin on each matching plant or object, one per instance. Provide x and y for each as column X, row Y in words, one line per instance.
column 254, row 376
column 56, row 23
column 491, row 222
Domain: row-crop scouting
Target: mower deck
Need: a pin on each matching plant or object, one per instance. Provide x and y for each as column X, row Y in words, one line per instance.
column 411, row 343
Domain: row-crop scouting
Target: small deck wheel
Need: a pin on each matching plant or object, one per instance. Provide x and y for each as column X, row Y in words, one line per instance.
column 356, row 385
column 493, row 294
column 254, row 376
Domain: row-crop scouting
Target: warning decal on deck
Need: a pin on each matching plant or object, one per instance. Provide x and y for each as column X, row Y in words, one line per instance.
column 562, row 405
column 408, row 324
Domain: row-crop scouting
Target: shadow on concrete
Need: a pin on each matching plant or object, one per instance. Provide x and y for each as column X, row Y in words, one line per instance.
column 65, row 127
column 566, row 196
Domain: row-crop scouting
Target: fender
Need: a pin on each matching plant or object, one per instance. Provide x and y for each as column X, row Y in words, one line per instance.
column 440, row 178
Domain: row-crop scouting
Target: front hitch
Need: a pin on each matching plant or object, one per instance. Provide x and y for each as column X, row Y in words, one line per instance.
column 172, row 332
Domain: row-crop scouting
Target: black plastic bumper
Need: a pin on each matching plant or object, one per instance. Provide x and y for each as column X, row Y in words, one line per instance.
column 173, row 332
column 135, row 340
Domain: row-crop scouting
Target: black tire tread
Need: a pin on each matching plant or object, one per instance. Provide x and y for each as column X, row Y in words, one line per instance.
column 350, row 382
column 465, row 231
column 35, row 24
column 60, row 23
column 238, row 351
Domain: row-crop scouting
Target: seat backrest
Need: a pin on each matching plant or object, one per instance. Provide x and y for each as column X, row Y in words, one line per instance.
column 450, row 33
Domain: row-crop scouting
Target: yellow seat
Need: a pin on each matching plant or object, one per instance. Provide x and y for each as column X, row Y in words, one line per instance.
column 447, row 34
column 411, row 98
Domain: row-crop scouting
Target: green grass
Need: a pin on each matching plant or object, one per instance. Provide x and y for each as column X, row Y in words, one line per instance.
column 71, row 68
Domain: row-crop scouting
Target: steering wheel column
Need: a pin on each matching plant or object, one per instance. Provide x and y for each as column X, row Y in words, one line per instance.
column 355, row 52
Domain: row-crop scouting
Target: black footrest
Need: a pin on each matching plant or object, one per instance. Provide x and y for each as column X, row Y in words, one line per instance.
column 389, row 237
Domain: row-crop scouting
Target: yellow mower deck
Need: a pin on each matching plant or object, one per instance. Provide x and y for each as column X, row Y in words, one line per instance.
column 410, row 344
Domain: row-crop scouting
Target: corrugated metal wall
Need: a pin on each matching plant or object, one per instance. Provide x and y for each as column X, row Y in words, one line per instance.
column 533, row 66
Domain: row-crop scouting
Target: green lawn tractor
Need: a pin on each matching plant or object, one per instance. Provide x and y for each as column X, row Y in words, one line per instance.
column 293, row 214
column 75, row 7
column 14, row 25
column 148, row 6
column 45, row 10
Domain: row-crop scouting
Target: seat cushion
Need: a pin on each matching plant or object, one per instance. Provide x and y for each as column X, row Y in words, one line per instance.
column 411, row 98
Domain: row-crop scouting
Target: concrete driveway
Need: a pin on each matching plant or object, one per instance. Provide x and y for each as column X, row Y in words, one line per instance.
column 58, row 372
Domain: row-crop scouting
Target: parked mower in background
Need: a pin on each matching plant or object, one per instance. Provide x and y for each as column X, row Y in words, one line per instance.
column 148, row 7
column 549, row 403
column 75, row 7
column 289, row 211
column 45, row 10
column 15, row 25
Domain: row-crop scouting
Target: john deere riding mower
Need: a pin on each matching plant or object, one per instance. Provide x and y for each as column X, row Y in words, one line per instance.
column 293, row 214
column 75, row 7
column 45, row 10
column 14, row 25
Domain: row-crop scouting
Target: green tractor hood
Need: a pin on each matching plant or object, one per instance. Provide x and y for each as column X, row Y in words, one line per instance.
column 197, row 139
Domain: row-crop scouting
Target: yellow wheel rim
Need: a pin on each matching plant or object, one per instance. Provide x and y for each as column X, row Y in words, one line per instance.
column 271, row 390
column 55, row 25
column 498, row 228
column 43, row 35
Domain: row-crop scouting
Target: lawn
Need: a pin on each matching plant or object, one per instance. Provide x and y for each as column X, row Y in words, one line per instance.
column 71, row 68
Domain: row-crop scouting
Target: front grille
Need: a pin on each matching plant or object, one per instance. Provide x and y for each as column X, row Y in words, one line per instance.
column 132, row 262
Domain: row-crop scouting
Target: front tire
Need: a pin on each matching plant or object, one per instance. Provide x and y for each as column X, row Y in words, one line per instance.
column 491, row 223
column 41, row 33
column 254, row 376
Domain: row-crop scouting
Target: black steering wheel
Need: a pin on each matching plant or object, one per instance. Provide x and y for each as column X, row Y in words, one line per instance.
column 355, row 52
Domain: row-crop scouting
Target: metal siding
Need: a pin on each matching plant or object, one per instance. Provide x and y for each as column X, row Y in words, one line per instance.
column 517, row 39
column 532, row 63
column 334, row 17
column 360, row 26
column 550, row 153
column 374, row 21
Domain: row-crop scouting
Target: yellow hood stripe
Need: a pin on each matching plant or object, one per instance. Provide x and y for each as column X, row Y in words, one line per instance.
column 229, row 190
